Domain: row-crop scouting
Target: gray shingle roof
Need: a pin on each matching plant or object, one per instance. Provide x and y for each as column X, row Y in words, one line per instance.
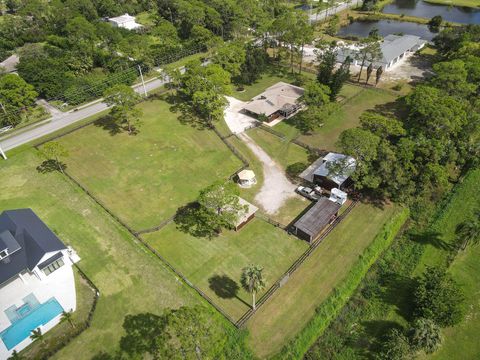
column 33, row 237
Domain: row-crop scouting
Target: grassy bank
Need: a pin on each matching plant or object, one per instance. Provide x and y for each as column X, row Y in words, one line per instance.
column 466, row 3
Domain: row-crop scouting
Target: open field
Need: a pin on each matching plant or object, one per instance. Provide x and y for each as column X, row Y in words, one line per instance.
column 215, row 265
column 282, row 151
column 346, row 117
column 294, row 304
column 129, row 278
column 145, row 178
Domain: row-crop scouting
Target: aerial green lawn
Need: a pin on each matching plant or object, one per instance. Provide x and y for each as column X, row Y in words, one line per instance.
column 267, row 80
column 284, row 152
column 215, row 265
column 293, row 305
column 130, row 279
column 346, row 117
column 144, row 178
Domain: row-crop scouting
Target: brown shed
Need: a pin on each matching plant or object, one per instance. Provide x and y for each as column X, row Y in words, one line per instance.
column 311, row 224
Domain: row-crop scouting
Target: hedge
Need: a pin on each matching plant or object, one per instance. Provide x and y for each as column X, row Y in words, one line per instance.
column 331, row 307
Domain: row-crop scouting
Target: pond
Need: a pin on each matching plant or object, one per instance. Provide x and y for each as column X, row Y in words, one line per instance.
column 423, row 9
column 386, row 27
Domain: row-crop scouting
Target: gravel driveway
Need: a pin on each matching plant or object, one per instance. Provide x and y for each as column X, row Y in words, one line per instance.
column 276, row 188
column 237, row 122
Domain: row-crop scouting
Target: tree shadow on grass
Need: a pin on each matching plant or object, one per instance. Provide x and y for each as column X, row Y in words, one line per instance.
column 398, row 291
column 186, row 115
column 397, row 108
column 49, row 166
column 191, row 219
column 224, row 287
column 108, row 123
column 375, row 331
column 431, row 238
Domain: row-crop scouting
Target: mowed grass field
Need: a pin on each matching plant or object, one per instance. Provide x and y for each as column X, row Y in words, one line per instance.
column 215, row 265
column 145, row 178
column 293, row 305
column 356, row 102
column 129, row 278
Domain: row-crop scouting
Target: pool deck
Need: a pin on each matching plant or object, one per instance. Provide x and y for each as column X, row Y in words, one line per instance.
column 59, row 285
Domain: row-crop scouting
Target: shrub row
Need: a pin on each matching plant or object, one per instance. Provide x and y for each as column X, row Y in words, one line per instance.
column 331, row 307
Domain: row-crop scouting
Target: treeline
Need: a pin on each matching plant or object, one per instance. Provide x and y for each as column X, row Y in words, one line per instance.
column 414, row 159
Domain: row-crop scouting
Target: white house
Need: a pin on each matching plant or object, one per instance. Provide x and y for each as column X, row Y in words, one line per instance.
column 36, row 279
column 125, row 21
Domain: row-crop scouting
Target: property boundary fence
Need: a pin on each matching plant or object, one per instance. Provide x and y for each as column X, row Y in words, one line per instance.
column 283, row 279
column 80, row 328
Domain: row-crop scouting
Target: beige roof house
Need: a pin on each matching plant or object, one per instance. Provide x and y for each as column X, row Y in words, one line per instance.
column 280, row 99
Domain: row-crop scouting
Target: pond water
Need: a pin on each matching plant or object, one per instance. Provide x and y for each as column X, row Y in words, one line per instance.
column 423, row 9
column 386, row 27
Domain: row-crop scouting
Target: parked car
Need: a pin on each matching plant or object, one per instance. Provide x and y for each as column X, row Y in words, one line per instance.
column 309, row 193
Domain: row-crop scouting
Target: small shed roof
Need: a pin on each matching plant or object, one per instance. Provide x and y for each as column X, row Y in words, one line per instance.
column 122, row 18
column 319, row 216
column 244, row 216
column 246, row 175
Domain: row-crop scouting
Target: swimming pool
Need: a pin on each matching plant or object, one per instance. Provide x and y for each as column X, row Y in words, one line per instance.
column 22, row 328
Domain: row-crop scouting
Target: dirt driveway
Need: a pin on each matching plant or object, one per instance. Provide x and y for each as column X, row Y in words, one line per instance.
column 237, row 121
column 276, row 188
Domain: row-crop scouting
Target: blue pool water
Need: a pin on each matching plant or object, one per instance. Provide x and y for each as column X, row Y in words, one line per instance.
column 22, row 328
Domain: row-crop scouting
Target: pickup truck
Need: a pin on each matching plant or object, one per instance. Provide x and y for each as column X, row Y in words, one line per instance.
column 309, row 193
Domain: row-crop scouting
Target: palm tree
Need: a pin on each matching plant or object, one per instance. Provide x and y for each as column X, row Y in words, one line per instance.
column 253, row 281
column 68, row 316
column 468, row 232
column 37, row 335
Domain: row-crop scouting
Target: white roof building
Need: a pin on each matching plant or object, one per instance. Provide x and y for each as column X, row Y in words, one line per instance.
column 125, row 21
column 325, row 176
column 36, row 279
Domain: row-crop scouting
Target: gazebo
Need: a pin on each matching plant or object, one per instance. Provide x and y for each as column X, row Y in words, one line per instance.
column 246, row 178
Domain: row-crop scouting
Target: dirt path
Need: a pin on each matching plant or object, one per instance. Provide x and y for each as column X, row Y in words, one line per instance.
column 276, row 188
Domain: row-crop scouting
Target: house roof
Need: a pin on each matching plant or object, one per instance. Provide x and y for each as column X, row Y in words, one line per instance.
column 276, row 97
column 246, row 175
column 122, row 19
column 349, row 165
column 319, row 216
column 392, row 47
column 10, row 63
column 33, row 238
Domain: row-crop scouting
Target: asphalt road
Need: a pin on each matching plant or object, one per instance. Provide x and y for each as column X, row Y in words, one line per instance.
column 61, row 120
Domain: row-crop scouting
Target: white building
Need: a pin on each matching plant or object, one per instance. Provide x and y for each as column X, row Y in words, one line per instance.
column 395, row 48
column 36, row 279
column 125, row 21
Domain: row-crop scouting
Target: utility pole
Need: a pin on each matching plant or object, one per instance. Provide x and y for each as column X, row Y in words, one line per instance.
column 143, row 82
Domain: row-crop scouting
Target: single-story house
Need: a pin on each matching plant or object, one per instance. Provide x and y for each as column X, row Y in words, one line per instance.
column 245, row 216
column 246, row 178
column 36, row 279
column 310, row 226
column 394, row 49
column 279, row 100
column 334, row 171
column 125, row 21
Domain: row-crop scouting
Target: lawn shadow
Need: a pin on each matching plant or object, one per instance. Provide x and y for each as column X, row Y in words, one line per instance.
column 108, row 123
column 50, row 165
column 397, row 108
column 375, row 331
column 186, row 115
column 224, row 287
column 431, row 238
column 397, row 291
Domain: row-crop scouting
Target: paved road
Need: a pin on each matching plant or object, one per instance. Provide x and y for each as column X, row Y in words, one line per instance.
column 321, row 15
column 61, row 120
